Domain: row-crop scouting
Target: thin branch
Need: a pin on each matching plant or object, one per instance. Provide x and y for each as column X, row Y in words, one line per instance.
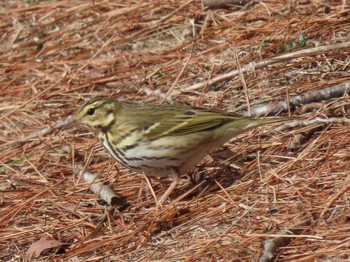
column 216, row 4
column 315, row 121
column 97, row 187
column 60, row 125
column 314, row 96
column 252, row 66
column 271, row 246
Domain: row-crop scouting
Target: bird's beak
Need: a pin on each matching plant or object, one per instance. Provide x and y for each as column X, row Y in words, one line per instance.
column 69, row 122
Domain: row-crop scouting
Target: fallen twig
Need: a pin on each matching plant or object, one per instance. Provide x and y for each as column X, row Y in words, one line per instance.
column 215, row 4
column 252, row 66
column 97, row 187
column 60, row 125
column 317, row 120
column 272, row 245
column 314, row 96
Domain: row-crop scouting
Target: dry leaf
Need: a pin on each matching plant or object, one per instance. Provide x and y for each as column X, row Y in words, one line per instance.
column 39, row 246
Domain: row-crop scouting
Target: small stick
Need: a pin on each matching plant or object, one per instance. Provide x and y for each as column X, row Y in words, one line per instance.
column 317, row 120
column 216, row 4
column 282, row 239
column 285, row 57
column 60, row 125
column 313, row 96
column 98, row 188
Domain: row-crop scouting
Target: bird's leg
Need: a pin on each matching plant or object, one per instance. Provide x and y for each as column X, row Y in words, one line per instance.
column 170, row 189
column 142, row 187
column 146, row 188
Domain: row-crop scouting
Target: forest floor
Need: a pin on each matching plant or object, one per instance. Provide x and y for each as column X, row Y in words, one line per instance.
column 270, row 194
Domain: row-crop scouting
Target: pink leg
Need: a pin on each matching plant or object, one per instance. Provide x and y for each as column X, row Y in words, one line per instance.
column 139, row 195
column 170, row 189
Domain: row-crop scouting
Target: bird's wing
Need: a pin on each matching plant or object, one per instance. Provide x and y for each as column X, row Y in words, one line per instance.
column 187, row 122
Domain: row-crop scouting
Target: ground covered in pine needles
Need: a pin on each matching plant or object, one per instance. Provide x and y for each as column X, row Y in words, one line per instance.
column 271, row 193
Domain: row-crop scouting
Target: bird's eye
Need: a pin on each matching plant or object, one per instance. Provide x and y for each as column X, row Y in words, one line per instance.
column 91, row 111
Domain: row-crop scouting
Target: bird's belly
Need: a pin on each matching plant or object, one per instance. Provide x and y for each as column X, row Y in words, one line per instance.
column 153, row 160
column 163, row 156
column 166, row 156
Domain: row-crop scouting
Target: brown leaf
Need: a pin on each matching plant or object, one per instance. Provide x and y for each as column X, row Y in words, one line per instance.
column 39, row 246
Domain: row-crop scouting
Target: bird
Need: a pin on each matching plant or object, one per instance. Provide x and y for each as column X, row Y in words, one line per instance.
column 162, row 140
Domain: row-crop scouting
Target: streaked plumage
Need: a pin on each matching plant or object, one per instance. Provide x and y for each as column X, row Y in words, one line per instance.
column 161, row 140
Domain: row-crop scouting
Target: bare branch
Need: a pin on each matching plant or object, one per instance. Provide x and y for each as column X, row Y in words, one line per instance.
column 215, row 4
column 97, row 187
column 317, row 120
column 314, row 96
column 252, row 66
column 60, row 125
column 272, row 245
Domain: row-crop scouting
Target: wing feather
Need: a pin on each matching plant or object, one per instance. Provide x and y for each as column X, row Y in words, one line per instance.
column 183, row 123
